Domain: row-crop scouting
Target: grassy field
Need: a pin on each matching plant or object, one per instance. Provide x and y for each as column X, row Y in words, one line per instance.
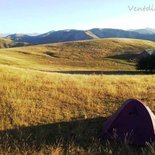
column 45, row 112
column 101, row 54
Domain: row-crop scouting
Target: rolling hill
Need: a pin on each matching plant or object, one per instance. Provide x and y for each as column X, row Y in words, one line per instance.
column 45, row 112
column 75, row 35
column 99, row 54
column 145, row 31
column 7, row 43
column 52, row 37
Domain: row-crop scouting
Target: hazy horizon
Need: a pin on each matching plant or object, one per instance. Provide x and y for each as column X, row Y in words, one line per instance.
column 39, row 16
column 37, row 33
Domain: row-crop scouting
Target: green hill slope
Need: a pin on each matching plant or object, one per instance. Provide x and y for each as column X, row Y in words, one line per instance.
column 100, row 54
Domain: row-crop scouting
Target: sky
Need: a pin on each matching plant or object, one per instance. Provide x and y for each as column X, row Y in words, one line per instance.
column 30, row 16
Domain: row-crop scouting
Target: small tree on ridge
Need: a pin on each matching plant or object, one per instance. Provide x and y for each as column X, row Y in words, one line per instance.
column 147, row 63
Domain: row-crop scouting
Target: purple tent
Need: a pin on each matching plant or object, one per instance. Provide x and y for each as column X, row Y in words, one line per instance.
column 133, row 122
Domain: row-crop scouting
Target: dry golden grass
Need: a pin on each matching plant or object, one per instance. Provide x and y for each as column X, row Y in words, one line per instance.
column 44, row 112
column 87, row 55
column 4, row 43
column 32, row 98
column 7, row 43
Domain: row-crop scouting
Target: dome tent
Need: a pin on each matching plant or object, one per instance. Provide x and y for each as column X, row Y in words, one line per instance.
column 133, row 122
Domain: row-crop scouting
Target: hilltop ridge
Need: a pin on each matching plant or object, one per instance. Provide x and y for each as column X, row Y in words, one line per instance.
column 75, row 35
column 97, row 54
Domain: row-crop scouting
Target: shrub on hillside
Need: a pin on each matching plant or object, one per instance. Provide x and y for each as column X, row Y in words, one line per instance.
column 147, row 64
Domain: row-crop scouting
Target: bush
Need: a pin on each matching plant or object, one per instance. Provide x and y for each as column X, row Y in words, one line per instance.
column 147, row 63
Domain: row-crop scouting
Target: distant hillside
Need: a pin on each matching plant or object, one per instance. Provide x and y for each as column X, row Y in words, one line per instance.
column 111, row 33
column 63, row 36
column 145, row 31
column 75, row 35
column 7, row 43
column 52, row 37
column 20, row 37
column 118, row 33
column 98, row 54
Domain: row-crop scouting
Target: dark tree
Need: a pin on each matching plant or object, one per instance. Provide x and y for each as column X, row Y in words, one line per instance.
column 147, row 63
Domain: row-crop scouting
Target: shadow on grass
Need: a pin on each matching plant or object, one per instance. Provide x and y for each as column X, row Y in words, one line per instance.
column 81, row 133
column 127, row 56
column 52, row 54
column 102, row 72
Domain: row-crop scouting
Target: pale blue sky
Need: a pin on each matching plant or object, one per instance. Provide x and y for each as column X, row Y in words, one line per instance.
column 27, row 16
